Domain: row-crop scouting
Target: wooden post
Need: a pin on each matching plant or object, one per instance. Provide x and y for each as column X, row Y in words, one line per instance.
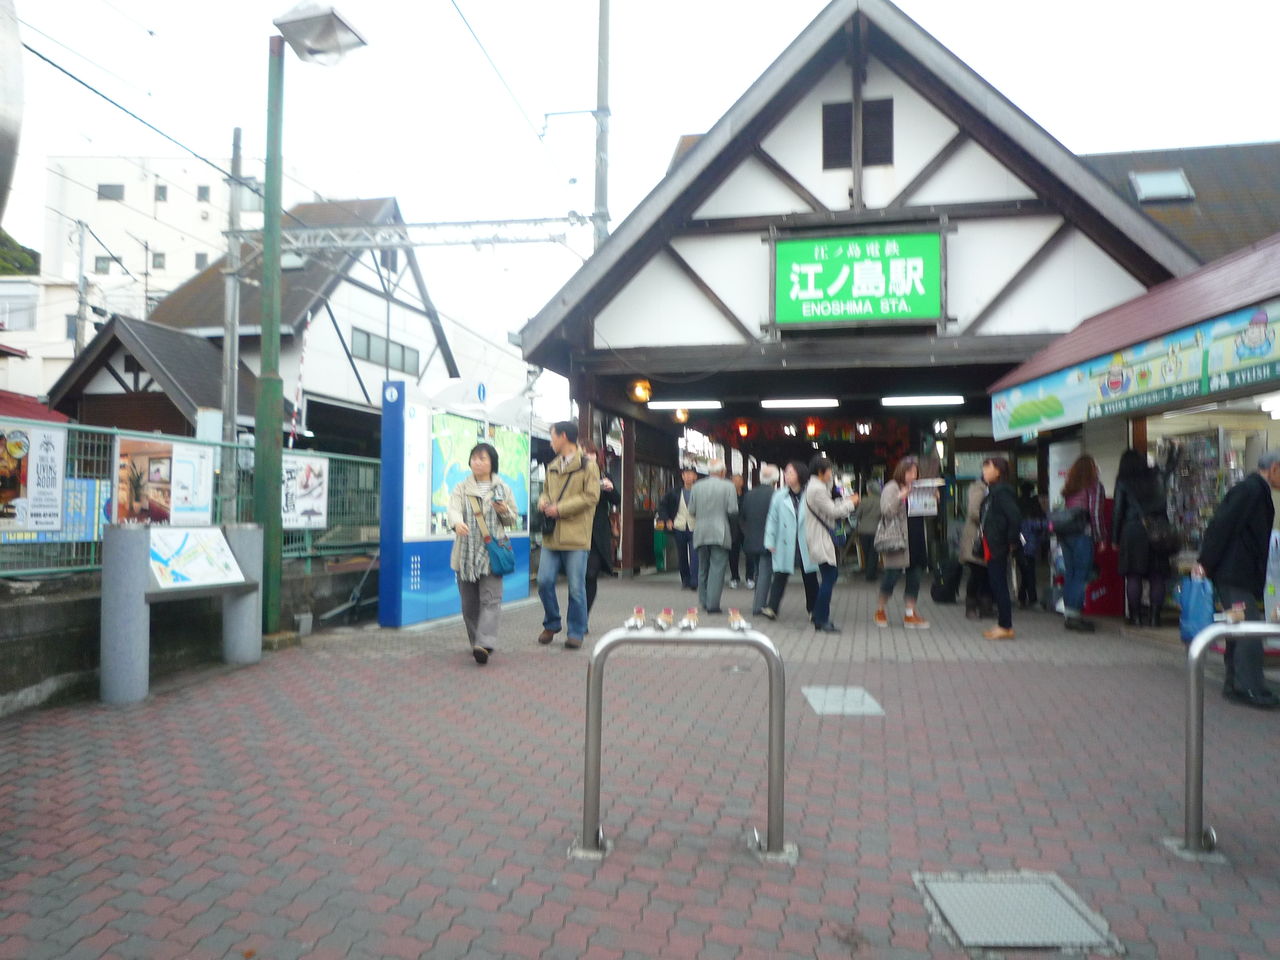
column 629, row 495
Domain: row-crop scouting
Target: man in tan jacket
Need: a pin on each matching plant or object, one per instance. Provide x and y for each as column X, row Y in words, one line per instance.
column 569, row 500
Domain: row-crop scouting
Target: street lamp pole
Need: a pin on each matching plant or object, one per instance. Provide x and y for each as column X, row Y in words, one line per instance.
column 269, row 415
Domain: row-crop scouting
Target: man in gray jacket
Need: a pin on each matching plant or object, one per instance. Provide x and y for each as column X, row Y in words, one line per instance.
column 712, row 502
column 755, row 514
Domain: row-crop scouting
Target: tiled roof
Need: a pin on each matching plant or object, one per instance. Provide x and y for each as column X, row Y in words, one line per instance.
column 29, row 408
column 1237, row 193
column 197, row 304
column 11, row 351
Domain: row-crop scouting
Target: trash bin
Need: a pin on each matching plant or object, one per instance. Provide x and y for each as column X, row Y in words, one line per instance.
column 660, row 550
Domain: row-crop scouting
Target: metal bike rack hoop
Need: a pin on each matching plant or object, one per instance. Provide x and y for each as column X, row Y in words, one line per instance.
column 591, row 844
column 1199, row 840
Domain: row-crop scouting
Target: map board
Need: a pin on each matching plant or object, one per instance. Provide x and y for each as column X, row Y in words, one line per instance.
column 192, row 557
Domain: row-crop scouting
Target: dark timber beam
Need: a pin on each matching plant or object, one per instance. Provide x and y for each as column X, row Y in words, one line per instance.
column 791, row 183
column 710, row 294
column 1018, row 279
column 808, row 222
column 948, row 151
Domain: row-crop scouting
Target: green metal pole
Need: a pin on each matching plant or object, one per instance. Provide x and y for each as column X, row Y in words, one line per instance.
column 269, row 417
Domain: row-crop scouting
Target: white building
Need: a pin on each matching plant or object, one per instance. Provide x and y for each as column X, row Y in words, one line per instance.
column 36, row 317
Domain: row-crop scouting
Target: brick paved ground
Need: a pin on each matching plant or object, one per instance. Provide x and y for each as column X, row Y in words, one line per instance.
column 376, row 794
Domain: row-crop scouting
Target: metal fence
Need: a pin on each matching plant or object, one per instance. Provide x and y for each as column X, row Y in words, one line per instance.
column 90, row 479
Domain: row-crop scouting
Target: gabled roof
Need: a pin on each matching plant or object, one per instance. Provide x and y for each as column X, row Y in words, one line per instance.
column 1237, row 193
column 992, row 120
column 187, row 367
column 197, row 304
column 11, row 351
column 1242, row 279
column 29, row 408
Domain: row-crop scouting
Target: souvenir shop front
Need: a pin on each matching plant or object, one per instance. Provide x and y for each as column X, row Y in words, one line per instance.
column 1190, row 372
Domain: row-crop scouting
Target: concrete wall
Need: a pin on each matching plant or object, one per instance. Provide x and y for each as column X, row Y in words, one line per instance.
column 50, row 632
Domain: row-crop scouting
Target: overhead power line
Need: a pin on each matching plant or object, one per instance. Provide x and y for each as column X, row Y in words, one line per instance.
column 110, row 252
column 501, row 78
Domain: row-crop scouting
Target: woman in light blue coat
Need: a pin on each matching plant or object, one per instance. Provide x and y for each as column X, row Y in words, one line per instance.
column 782, row 538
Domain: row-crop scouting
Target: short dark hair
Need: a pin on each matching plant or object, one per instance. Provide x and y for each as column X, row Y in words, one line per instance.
column 493, row 456
column 567, row 429
column 819, row 465
column 1002, row 467
column 801, row 471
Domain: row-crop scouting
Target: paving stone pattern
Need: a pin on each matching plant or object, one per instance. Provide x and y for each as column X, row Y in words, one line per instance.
column 377, row 794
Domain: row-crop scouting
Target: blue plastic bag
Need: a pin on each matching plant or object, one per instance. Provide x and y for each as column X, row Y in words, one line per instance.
column 1197, row 607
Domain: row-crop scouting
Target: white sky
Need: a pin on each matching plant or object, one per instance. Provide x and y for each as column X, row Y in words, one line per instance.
column 421, row 116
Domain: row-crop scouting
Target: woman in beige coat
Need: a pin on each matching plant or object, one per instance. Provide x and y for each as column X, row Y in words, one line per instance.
column 822, row 513
column 977, row 593
column 914, row 559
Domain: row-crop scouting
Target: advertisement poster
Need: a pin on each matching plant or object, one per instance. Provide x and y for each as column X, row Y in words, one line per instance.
column 304, row 493
column 513, row 467
column 1236, row 350
column 192, row 558
column 417, row 471
column 32, row 462
column 878, row 277
column 162, row 482
column 85, row 506
column 452, row 438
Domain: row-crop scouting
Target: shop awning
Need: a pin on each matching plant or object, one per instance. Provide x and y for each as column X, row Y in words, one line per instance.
column 1212, row 331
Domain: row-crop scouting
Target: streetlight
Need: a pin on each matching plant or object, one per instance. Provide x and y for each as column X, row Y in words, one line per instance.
column 318, row 35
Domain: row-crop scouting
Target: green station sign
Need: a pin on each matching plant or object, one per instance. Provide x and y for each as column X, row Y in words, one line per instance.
column 877, row 277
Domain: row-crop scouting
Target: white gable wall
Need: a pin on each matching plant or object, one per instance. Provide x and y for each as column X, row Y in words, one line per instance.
column 971, row 175
column 105, row 383
column 752, row 190
column 984, row 255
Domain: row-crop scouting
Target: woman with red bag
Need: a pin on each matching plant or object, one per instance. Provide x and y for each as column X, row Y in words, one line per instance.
column 1084, row 497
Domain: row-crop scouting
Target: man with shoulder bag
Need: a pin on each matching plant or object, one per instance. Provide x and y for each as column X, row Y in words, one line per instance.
column 568, row 499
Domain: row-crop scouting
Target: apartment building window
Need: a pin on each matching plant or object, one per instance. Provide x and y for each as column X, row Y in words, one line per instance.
column 18, row 313
column 837, row 134
column 102, row 265
column 157, row 261
column 202, row 261
column 202, row 194
column 162, row 193
column 111, row 191
column 380, row 350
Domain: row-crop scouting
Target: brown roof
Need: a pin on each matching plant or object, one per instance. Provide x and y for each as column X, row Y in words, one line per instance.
column 11, row 351
column 1237, row 193
column 21, row 405
column 1242, row 279
column 197, row 304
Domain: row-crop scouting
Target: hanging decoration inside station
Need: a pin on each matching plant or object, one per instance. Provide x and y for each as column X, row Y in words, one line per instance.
column 889, row 438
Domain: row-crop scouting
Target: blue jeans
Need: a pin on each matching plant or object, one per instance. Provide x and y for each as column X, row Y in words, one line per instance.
column 687, row 556
column 1077, row 556
column 891, row 577
column 822, row 603
column 574, row 564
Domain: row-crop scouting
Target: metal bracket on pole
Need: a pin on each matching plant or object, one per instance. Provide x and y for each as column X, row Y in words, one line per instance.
column 1200, row 842
column 591, row 843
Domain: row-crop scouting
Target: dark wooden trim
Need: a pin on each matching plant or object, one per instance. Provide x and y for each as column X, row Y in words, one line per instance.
column 350, row 359
column 818, row 353
column 791, row 183
column 1138, row 434
column 858, row 71
column 1020, row 277
column 885, row 218
column 118, row 379
column 948, row 151
column 432, row 316
column 628, row 522
column 150, row 381
column 710, row 294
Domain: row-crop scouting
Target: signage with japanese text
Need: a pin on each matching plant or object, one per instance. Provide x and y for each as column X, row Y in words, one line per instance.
column 304, row 492
column 877, row 278
column 32, row 460
column 1228, row 353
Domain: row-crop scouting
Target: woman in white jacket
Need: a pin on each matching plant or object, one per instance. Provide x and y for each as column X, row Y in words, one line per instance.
column 822, row 513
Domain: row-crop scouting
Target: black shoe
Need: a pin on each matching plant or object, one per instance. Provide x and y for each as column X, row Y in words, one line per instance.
column 971, row 613
column 1079, row 625
column 1261, row 699
column 769, row 613
column 827, row 627
column 1131, row 622
column 713, row 610
column 481, row 654
column 1155, row 619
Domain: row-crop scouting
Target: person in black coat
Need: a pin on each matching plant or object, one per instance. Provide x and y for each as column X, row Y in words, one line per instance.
column 600, row 557
column 674, row 516
column 1140, row 509
column 753, row 514
column 1233, row 554
column 1001, row 526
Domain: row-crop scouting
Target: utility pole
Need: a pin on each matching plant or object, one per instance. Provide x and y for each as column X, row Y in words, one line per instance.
column 146, row 279
column 231, row 340
column 600, row 216
column 82, row 291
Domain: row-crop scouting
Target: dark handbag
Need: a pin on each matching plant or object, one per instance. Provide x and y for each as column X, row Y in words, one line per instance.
column 1161, row 534
column 502, row 558
column 1069, row 521
column 539, row 522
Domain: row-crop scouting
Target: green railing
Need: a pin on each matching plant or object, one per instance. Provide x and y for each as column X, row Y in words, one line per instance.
column 90, row 477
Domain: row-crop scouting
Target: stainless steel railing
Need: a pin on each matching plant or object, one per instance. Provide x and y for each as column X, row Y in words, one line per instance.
column 1198, row 837
column 592, row 840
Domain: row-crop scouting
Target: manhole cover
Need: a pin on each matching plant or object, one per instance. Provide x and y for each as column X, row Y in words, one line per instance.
column 1033, row 910
column 842, row 701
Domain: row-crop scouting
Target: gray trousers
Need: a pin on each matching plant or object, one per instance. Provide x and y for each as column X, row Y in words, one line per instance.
column 713, row 561
column 764, row 576
column 481, row 608
column 1243, row 657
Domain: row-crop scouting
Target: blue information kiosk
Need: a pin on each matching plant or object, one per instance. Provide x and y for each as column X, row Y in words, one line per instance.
column 424, row 455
